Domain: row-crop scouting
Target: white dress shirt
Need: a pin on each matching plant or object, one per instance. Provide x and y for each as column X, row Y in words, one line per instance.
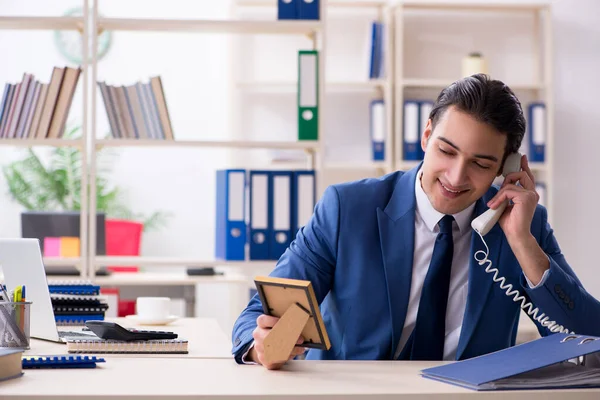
column 426, row 231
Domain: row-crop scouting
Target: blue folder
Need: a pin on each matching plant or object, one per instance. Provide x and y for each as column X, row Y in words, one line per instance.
column 230, row 243
column 551, row 362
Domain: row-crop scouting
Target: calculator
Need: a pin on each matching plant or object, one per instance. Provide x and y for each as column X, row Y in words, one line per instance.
column 113, row 331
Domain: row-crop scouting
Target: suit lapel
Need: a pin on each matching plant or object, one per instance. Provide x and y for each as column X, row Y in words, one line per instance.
column 397, row 232
column 480, row 282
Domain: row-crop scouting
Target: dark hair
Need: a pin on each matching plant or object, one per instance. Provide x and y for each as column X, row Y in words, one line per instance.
column 489, row 101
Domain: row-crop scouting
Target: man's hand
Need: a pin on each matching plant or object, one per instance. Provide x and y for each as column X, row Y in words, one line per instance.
column 257, row 353
column 516, row 219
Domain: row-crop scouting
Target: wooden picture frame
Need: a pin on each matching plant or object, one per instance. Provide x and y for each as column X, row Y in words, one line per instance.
column 295, row 303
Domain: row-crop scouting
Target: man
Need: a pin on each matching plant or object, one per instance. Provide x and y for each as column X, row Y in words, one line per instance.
column 392, row 261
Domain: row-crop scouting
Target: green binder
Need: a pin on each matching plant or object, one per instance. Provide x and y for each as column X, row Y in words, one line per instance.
column 308, row 95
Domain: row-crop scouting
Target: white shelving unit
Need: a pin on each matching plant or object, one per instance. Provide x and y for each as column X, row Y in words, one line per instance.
column 530, row 75
column 50, row 23
column 329, row 170
column 312, row 29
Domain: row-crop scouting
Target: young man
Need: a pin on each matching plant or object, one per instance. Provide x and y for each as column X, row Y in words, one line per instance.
column 392, row 261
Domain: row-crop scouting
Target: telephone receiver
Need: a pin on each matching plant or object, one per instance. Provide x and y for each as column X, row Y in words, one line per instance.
column 486, row 221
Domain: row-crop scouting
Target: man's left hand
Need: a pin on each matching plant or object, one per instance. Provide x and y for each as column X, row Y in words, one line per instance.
column 517, row 217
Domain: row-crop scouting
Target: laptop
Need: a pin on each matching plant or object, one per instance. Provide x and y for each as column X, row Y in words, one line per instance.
column 22, row 264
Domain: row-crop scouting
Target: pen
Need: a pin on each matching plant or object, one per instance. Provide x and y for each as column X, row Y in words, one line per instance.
column 5, row 293
column 23, row 294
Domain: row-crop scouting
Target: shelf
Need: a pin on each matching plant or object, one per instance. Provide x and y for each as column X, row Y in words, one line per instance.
column 164, row 279
column 180, row 262
column 292, row 87
column 330, row 3
column 442, row 83
column 355, row 166
column 300, row 145
column 61, row 261
column 535, row 167
column 212, row 26
column 475, row 5
column 40, row 142
column 45, row 23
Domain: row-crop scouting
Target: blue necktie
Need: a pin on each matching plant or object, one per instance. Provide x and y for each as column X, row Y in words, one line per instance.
column 427, row 339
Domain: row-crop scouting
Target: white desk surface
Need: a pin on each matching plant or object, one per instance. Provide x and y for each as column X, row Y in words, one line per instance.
column 205, row 336
column 129, row 378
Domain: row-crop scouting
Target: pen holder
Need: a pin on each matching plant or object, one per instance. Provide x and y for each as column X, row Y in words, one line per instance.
column 14, row 324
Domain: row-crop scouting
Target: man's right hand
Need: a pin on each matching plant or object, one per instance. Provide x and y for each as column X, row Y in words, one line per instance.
column 257, row 353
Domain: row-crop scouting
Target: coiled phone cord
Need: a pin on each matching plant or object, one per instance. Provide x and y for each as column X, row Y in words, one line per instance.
column 515, row 294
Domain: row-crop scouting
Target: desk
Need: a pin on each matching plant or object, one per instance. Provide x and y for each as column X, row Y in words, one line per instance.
column 205, row 336
column 129, row 378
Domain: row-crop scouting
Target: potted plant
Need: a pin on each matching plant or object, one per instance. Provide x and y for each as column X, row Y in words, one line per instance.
column 56, row 186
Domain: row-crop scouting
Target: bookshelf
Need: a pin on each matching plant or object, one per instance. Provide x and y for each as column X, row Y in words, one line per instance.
column 50, row 23
column 444, row 31
column 400, row 82
column 347, row 29
column 234, row 27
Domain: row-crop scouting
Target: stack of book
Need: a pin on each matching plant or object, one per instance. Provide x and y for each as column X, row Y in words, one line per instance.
column 137, row 111
column 75, row 302
column 34, row 110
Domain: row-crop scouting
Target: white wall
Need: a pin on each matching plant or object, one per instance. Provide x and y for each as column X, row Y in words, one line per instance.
column 576, row 66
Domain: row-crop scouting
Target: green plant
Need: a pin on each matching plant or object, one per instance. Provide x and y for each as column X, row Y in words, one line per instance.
column 57, row 186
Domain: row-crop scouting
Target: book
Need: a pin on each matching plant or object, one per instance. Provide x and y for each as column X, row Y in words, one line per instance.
column 10, row 364
column 39, row 362
column 552, row 362
column 102, row 346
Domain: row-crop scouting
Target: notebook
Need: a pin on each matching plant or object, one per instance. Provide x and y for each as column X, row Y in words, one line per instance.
column 39, row 362
column 551, row 362
column 98, row 346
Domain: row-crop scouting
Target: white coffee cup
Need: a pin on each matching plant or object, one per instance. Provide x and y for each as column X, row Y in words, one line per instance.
column 153, row 308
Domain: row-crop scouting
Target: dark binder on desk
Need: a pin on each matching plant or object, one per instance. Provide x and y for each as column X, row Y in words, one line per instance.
column 539, row 364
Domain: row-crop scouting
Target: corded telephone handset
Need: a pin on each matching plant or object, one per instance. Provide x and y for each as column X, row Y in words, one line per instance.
column 482, row 225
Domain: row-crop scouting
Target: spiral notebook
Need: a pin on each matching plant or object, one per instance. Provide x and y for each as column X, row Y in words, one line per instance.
column 545, row 363
column 100, row 346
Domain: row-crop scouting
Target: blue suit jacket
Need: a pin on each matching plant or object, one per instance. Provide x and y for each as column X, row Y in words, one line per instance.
column 357, row 250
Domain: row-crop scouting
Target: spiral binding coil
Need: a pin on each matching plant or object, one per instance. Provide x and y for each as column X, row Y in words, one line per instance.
column 515, row 294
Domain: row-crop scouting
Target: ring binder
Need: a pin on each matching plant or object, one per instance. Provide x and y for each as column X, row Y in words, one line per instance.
column 39, row 362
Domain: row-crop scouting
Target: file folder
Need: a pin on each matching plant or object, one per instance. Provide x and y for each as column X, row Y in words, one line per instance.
column 260, row 221
column 288, row 9
column 281, row 213
column 377, row 116
column 539, row 364
column 231, row 218
column 303, row 198
column 411, row 144
column 308, row 95
column 424, row 111
column 537, row 131
column 308, row 9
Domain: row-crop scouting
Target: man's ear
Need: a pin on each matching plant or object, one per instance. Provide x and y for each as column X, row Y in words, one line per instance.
column 426, row 135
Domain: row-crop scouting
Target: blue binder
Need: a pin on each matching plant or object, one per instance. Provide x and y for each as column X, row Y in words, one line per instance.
column 377, row 125
column 308, row 9
column 60, row 361
column 539, row 364
column 260, row 219
column 303, row 198
column 424, row 111
column 288, row 9
column 410, row 142
column 280, row 213
column 231, row 218
column 537, row 131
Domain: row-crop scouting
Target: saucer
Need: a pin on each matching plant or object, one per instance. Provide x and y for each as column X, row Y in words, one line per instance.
column 152, row 321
